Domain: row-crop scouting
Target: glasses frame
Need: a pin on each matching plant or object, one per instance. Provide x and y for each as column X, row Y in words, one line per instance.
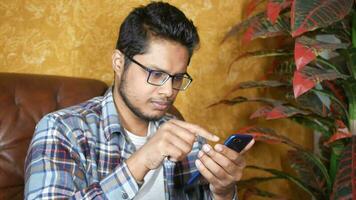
column 165, row 80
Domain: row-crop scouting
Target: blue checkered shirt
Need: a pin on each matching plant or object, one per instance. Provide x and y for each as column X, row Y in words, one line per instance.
column 80, row 152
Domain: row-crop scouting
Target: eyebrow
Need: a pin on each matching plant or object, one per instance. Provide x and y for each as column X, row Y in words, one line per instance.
column 154, row 67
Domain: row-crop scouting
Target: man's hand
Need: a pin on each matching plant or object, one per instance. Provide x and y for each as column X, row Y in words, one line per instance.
column 222, row 167
column 174, row 139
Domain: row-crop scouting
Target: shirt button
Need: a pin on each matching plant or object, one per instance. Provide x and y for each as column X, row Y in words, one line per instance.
column 124, row 195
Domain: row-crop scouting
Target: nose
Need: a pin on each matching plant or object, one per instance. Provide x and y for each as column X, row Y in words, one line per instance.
column 167, row 88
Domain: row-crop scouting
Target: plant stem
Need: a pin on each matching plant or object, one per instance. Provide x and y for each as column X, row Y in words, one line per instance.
column 350, row 90
column 336, row 151
column 350, row 84
column 353, row 29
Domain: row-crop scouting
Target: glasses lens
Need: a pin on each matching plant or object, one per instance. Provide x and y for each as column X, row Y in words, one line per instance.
column 157, row 77
column 181, row 82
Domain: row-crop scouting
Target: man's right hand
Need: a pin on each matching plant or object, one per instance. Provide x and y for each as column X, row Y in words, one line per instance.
column 174, row 139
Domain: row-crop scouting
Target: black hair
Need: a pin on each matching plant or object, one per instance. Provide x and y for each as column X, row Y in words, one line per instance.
column 155, row 20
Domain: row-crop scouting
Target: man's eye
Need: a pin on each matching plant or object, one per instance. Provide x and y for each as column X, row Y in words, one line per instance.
column 157, row 74
column 179, row 77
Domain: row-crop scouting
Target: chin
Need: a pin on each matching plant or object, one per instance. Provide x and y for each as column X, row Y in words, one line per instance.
column 155, row 115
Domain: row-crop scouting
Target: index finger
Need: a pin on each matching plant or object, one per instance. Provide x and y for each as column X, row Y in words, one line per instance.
column 248, row 147
column 197, row 130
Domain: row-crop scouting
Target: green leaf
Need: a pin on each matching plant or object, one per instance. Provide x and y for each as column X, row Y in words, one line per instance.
column 306, row 78
column 307, row 49
column 325, row 99
column 350, row 90
column 289, row 177
column 353, row 34
column 319, row 74
column 268, row 135
column 236, row 29
column 334, row 99
column 344, row 185
column 256, row 84
column 311, row 101
column 259, row 84
column 323, row 125
column 311, row 171
column 262, row 54
column 284, row 70
column 241, row 99
column 263, row 28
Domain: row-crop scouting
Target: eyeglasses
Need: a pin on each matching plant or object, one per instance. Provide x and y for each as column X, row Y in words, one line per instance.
column 158, row 77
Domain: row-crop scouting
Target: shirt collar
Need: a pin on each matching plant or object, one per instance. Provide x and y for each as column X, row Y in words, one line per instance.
column 110, row 121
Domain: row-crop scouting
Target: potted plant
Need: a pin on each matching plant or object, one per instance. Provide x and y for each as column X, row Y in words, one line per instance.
column 316, row 70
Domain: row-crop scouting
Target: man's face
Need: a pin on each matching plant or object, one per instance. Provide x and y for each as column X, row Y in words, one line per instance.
column 147, row 101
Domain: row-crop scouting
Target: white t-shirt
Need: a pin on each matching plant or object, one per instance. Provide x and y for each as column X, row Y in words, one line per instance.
column 153, row 186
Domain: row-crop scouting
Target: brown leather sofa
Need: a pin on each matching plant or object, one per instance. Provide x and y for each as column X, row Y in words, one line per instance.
column 24, row 99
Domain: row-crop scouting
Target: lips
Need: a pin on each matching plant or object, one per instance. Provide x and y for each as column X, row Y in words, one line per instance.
column 161, row 105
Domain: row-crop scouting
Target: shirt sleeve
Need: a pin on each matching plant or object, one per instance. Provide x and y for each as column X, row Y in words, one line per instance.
column 55, row 169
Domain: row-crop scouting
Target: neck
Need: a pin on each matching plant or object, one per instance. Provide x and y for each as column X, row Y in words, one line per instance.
column 128, row 119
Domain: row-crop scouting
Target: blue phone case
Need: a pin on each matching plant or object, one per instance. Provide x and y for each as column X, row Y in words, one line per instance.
column 236, row 142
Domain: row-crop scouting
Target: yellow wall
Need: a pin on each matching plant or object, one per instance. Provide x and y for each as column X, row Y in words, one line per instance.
column 77, row 37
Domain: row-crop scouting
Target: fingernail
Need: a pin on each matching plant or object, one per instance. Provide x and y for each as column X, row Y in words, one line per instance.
column 206, row 148
column 218, row 147
column 197, row 163
column 216, row 138
column 200, row 154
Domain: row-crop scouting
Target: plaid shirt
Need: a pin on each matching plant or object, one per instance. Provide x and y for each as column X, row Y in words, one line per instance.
column 80, row 152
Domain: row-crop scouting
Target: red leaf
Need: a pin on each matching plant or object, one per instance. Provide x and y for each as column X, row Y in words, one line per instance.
column 258, row 134
column 337, row 91
column 341, row 133
column 307, row 49
column 260, row 27
column 274, row 8
column 262, row 112
column 303, row 55
column 268, row 136
column 236, row 29
column 300, row 31
column 337, row 136
column 252, row 7
column 301, row 84
column 247, row 37
column 312, row 14
column 276, row 113
column 308, row 171
column 308, row 77
column 344, row 186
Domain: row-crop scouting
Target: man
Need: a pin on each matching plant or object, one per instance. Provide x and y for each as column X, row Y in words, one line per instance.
column 124, row 145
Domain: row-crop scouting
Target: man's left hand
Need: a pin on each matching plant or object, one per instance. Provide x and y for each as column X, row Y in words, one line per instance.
column 222, row 167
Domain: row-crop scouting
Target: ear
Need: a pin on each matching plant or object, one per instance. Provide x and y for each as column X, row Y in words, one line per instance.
column 118, row 61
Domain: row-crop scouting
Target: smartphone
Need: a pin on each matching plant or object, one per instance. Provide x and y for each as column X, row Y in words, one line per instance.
column 236, row 142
